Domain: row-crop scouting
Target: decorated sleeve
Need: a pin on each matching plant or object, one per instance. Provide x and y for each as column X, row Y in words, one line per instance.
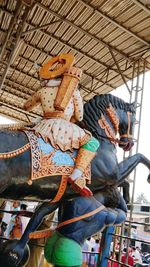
column 78, row 105
column 33, row 101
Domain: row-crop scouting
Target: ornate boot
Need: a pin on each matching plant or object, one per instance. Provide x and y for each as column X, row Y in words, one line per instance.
column 79, row 185
column 83, row 159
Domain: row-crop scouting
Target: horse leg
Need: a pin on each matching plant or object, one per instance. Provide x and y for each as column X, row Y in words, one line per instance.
column 126, row 186
column 36, row 219
column 13, row 252
column 122, row 204
column 129, row 164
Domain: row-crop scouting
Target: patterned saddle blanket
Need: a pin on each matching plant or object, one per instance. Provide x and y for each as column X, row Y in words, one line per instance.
column 47, row 161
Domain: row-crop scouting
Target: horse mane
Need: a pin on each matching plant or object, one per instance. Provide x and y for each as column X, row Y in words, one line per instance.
column 97, row 106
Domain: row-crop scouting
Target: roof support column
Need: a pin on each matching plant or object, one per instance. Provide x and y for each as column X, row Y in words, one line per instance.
column 18, row 35
column 119, row 70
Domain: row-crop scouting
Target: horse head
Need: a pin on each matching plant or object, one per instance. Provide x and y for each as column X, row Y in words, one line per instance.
column 126, row 124
column 106, row 116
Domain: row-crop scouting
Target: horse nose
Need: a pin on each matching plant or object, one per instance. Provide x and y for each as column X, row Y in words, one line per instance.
column 126, row 144
column 131, row 144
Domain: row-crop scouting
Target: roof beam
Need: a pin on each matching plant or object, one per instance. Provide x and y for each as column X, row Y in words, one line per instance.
column 78, row 51
column 19, row 109
column 122, row 76
column 39, row 27
column 85, row 72
column 18, row 84
column 18, row 35
column 11, row 25
column 95, row 86
column 100, row 80
column 68, row 45
column 112, row 21
column 85, row 32
column 22, row 71
column 73, row 47
column 11, row 116
column 15, row 92
column 87, row 89
column 138, row 3
column 15, row 68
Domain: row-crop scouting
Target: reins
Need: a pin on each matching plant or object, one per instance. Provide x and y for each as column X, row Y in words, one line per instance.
column 115, row 140
column 13, row 127
column 115, row 122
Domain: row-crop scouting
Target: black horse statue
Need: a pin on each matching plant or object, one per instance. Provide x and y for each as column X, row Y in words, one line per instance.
column 15, row 170
column 79, row 218
column 105, row 116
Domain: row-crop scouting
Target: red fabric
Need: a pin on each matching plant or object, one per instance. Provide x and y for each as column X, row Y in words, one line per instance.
column 114, row 264
column 130, row 260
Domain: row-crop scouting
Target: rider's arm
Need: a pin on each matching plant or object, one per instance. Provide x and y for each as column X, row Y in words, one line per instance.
column 33, row 101
column 78, row 105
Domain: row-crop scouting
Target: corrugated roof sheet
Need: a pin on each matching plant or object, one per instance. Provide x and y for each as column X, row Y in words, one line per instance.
column 93, row 30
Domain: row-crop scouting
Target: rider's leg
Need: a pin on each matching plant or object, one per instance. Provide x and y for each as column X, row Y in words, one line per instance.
column 85, row 155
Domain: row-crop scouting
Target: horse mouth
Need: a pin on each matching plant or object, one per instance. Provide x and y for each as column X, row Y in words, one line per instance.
column 127, row 145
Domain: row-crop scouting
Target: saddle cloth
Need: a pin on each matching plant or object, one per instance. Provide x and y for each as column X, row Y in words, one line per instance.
column 47, row 161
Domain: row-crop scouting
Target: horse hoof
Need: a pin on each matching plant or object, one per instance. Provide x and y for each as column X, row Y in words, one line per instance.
column 148, row 179
column 11, row 255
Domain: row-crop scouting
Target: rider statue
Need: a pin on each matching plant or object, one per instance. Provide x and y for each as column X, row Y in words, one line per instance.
column 62, row 106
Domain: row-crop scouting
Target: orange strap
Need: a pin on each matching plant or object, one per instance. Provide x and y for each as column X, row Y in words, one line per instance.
column 41, row 234
column 61, row 189
column 48, row 233
column 81, row 217
column 60, row 192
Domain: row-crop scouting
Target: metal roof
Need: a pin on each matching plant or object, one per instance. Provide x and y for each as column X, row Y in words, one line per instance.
column 107, row 38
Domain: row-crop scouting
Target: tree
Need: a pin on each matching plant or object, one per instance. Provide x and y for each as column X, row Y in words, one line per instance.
column 141, row 199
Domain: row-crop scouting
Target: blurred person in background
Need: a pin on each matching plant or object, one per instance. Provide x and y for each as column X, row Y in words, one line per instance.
column 130, row 258
column 86, row 248
column 15, row 207
column 5, row 218
column 137, row 257
column 96, row 249
column 24, row 219
column 16, row 231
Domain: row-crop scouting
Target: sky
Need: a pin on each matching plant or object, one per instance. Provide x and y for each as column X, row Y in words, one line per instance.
column 141, row 185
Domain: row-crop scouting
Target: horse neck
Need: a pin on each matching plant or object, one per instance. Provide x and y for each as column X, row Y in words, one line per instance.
column 109, row 123
column 101, row 121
